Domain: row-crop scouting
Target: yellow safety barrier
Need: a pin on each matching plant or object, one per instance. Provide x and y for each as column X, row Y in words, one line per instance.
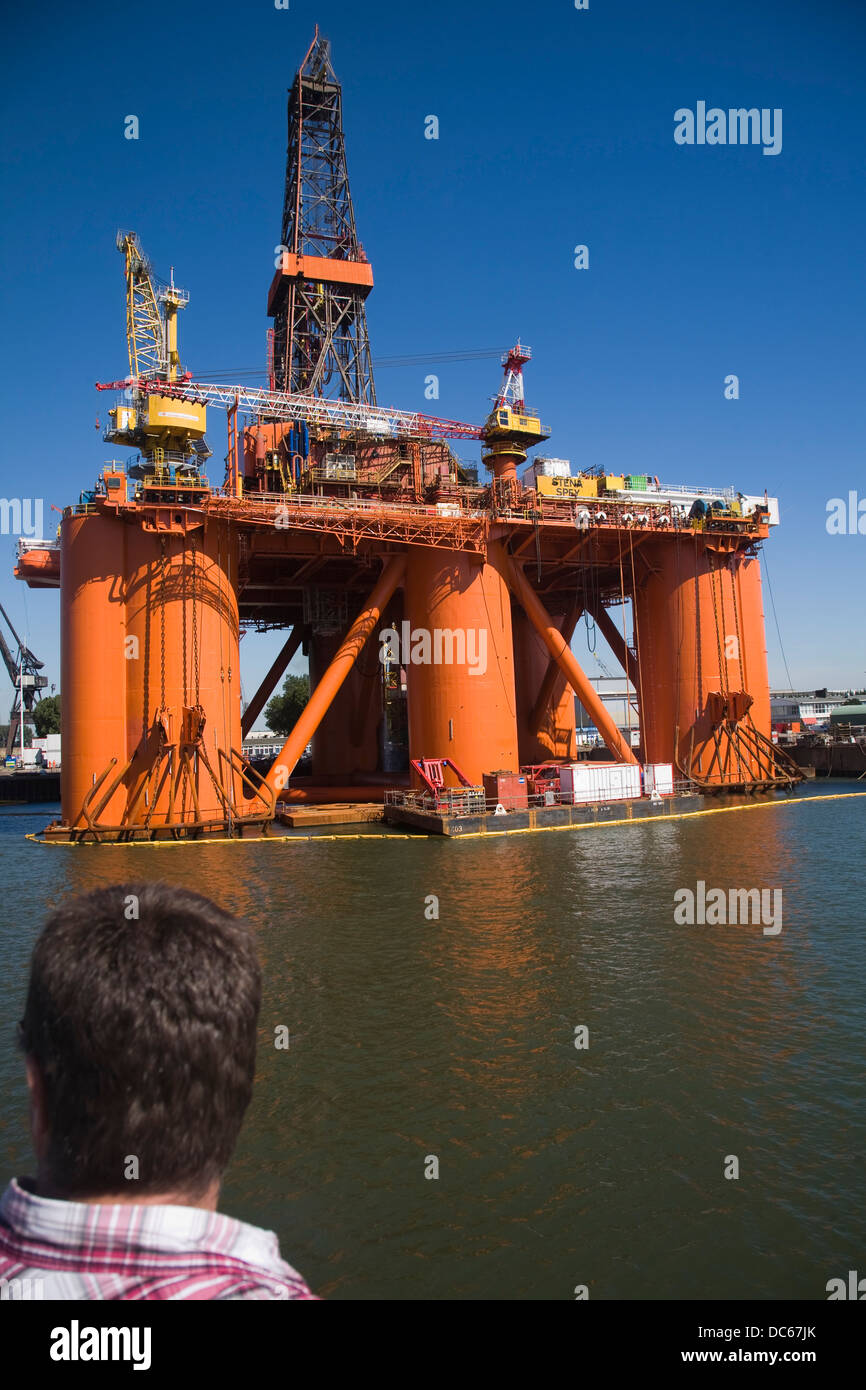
column 470, row 835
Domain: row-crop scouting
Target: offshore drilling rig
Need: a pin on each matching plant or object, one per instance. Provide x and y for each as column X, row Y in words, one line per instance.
column 338, row 517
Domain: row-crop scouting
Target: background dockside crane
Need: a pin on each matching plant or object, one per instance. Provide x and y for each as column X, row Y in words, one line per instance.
column 23, row 670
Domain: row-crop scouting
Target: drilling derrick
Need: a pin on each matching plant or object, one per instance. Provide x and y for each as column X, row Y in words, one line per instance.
column 320, row 343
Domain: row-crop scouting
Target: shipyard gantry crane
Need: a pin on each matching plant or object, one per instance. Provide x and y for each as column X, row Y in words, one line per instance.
column 23, row 668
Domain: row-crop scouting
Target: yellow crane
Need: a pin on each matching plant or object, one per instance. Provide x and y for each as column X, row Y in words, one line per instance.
column 151, row 331
column 169, row 432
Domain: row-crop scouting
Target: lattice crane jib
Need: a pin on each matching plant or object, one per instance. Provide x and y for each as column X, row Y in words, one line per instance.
column 145, row 334
column 320, row 342
column 151, row 315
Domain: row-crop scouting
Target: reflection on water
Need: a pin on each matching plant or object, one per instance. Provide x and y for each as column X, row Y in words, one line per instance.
column 454, row 1038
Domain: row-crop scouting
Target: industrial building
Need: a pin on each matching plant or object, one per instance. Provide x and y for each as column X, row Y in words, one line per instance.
column 805, row 708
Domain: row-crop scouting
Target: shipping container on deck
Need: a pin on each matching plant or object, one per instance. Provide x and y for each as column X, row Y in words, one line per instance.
column 582, row 782
column 508, row 788
column 658, row 777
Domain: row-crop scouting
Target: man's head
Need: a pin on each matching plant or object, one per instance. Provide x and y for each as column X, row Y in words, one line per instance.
column 140, row 1036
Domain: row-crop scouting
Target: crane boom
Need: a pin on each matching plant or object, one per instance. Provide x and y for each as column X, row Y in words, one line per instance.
column 24, row 675
column 315, row 410
column 151, row 333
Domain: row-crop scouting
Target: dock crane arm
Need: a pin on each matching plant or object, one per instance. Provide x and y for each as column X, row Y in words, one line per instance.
column 24, row 675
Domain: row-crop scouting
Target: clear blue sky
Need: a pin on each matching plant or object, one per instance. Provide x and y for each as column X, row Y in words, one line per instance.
column 556, row 128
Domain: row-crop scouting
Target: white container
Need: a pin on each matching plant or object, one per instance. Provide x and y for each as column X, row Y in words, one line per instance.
column 554, row 468
column 586, row 782
column 49, row 744
column 658, row 777
column 546, row 468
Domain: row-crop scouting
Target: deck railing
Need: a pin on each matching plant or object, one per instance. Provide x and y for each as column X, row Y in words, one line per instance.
column 471, row 801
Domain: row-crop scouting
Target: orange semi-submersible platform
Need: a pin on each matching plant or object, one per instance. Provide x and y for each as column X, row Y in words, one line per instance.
column 437, row 609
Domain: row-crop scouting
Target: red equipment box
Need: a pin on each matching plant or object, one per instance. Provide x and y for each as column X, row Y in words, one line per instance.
column 509, row 788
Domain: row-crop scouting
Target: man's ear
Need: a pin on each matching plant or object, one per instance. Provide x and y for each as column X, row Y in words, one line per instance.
column 35, row 1085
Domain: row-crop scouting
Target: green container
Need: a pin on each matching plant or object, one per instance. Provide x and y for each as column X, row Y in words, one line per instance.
column 637, row 482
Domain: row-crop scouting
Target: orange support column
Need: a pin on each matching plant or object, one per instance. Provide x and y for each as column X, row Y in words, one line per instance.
column 182, row 612
column 93, row 660
column 702, row 655
column 460, row 671
column 753, row 640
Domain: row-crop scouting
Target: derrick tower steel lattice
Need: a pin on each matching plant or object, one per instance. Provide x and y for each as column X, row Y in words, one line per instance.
column 320, row 345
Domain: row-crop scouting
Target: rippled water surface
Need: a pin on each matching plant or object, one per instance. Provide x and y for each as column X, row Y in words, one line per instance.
column 453, row 1039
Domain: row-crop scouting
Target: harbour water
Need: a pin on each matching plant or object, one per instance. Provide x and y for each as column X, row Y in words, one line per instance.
column 416, row 1037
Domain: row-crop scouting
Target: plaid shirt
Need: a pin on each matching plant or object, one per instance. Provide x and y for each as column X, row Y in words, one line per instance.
column 79, row 1250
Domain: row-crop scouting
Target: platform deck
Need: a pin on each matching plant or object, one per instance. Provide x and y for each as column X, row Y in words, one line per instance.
column 540, row 817
column 346, row 813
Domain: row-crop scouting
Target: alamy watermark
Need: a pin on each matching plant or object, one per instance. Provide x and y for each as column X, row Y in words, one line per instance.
column 737, row 126
column 852, row 1288
column 714, row 907
column 22, row 1289
column 21, row 516
column 439, row 646
column 77, row 1343
column 846, row 517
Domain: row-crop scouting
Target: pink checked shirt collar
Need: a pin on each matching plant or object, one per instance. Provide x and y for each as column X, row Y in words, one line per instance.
column 110, row 1251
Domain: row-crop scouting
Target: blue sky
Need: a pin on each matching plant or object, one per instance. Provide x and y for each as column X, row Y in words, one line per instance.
column 556, row 129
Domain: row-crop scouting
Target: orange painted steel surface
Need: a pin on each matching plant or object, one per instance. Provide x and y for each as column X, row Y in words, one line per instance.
column 562, row 653
column 342, row 663
column 700, row 627
column 347, row 740
column 182, row 607
column 755, row 675
column 325, row 268
column 554, row 687
column 93, row 664
column 554, row 734
column 150, row 678
column 470, row 718
column 150, row 600
column 324, row 795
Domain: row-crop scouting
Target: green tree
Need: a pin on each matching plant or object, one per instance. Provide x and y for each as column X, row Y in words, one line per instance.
column 283, row 711
column 46, row 716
